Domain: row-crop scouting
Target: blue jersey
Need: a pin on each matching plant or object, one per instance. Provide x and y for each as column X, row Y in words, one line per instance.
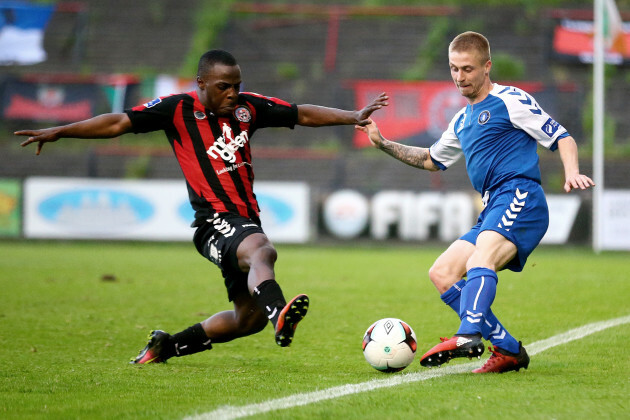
column 498, row 138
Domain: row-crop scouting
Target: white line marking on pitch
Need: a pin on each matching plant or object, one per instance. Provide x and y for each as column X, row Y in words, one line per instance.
column 231, row 412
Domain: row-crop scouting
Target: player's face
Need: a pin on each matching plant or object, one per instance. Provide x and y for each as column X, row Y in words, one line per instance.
column 219, row 88
column 470, row 74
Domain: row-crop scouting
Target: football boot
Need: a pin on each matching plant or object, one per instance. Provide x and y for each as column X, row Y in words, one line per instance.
column 458, row 346
column 292, row 313
column 151, row 352
column 503, row 361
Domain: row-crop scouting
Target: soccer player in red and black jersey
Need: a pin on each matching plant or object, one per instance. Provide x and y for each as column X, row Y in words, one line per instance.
column 210, row 130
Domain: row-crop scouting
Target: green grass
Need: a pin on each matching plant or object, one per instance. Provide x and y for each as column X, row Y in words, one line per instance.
column 67, row 334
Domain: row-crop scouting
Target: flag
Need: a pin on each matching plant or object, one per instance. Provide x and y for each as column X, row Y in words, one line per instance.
column 22, row 32
column 574, row 39
column 613, row 28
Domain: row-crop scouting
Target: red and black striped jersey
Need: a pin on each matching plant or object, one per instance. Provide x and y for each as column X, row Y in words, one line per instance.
column 214, row 152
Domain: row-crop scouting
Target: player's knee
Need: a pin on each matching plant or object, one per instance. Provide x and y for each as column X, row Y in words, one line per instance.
column 267, row 253
column 442, row 277
column 436, row 273
column 258, row 248
column 256, row 251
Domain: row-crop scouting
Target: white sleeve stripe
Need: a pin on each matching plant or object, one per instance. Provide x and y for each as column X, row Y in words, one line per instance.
column 527, row 115
column 448, row 149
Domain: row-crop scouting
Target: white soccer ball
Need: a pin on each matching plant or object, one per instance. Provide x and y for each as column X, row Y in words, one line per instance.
column 389, row 345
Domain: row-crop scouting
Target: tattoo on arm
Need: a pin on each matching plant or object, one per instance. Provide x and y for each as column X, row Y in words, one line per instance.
column 413, row 156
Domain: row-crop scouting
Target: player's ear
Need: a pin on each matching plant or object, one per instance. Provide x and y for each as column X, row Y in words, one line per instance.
column 200, row 83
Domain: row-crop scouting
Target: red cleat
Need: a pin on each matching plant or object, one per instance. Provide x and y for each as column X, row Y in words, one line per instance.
column 504, row 361
column 450, row 348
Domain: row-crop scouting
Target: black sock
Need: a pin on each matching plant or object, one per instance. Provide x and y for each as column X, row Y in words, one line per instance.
column 191, row 340
column 270, row 299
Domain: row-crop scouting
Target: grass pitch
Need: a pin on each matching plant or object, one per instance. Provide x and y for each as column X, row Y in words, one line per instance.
column 73, row 315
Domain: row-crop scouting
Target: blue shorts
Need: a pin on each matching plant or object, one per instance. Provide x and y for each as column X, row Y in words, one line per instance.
column 517, row 210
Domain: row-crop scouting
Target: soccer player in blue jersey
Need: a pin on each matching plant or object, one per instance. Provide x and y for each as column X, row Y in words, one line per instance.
column 497, row 133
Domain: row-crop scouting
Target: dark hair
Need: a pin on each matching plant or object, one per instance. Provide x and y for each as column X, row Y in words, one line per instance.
column 472, row 41
column 212, row 57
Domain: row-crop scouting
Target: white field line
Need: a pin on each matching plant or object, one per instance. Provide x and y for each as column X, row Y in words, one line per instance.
column 232, row 412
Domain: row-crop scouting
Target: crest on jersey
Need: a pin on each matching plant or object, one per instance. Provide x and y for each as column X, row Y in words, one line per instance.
column 243, row 114
column 200, row 115
column 484, row 117
column 153, row 103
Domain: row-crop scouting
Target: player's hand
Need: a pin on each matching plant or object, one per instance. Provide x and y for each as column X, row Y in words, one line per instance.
column 377, row 103
column 40, row 137
column 578, row 181
column 372, row 131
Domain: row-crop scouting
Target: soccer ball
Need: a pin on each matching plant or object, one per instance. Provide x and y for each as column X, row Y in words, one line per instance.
column 389, row 345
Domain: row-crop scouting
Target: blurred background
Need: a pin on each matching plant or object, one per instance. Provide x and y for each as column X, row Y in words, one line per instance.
column 77, row 59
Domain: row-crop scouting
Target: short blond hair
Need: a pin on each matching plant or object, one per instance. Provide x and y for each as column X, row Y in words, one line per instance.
column 471, row 41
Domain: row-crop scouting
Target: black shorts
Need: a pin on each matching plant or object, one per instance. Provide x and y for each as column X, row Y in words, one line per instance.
column 218, row 239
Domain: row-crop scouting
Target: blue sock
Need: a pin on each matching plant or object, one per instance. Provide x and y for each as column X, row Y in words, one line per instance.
column 477, row 296
column 491, row 328
column 499, row 337
column 452, row 296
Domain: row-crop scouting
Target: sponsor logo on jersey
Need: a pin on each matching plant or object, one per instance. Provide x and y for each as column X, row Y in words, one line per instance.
column 153, row 103
column 550, row 127
column 484, row 117
column 226, row 146
column 232, row 167
column 243, row 114
column 200, row 115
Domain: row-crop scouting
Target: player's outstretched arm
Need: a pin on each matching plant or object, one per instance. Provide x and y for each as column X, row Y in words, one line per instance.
column 318, row 116
column 569, row 156
column 418, row 157
column 100, row 127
